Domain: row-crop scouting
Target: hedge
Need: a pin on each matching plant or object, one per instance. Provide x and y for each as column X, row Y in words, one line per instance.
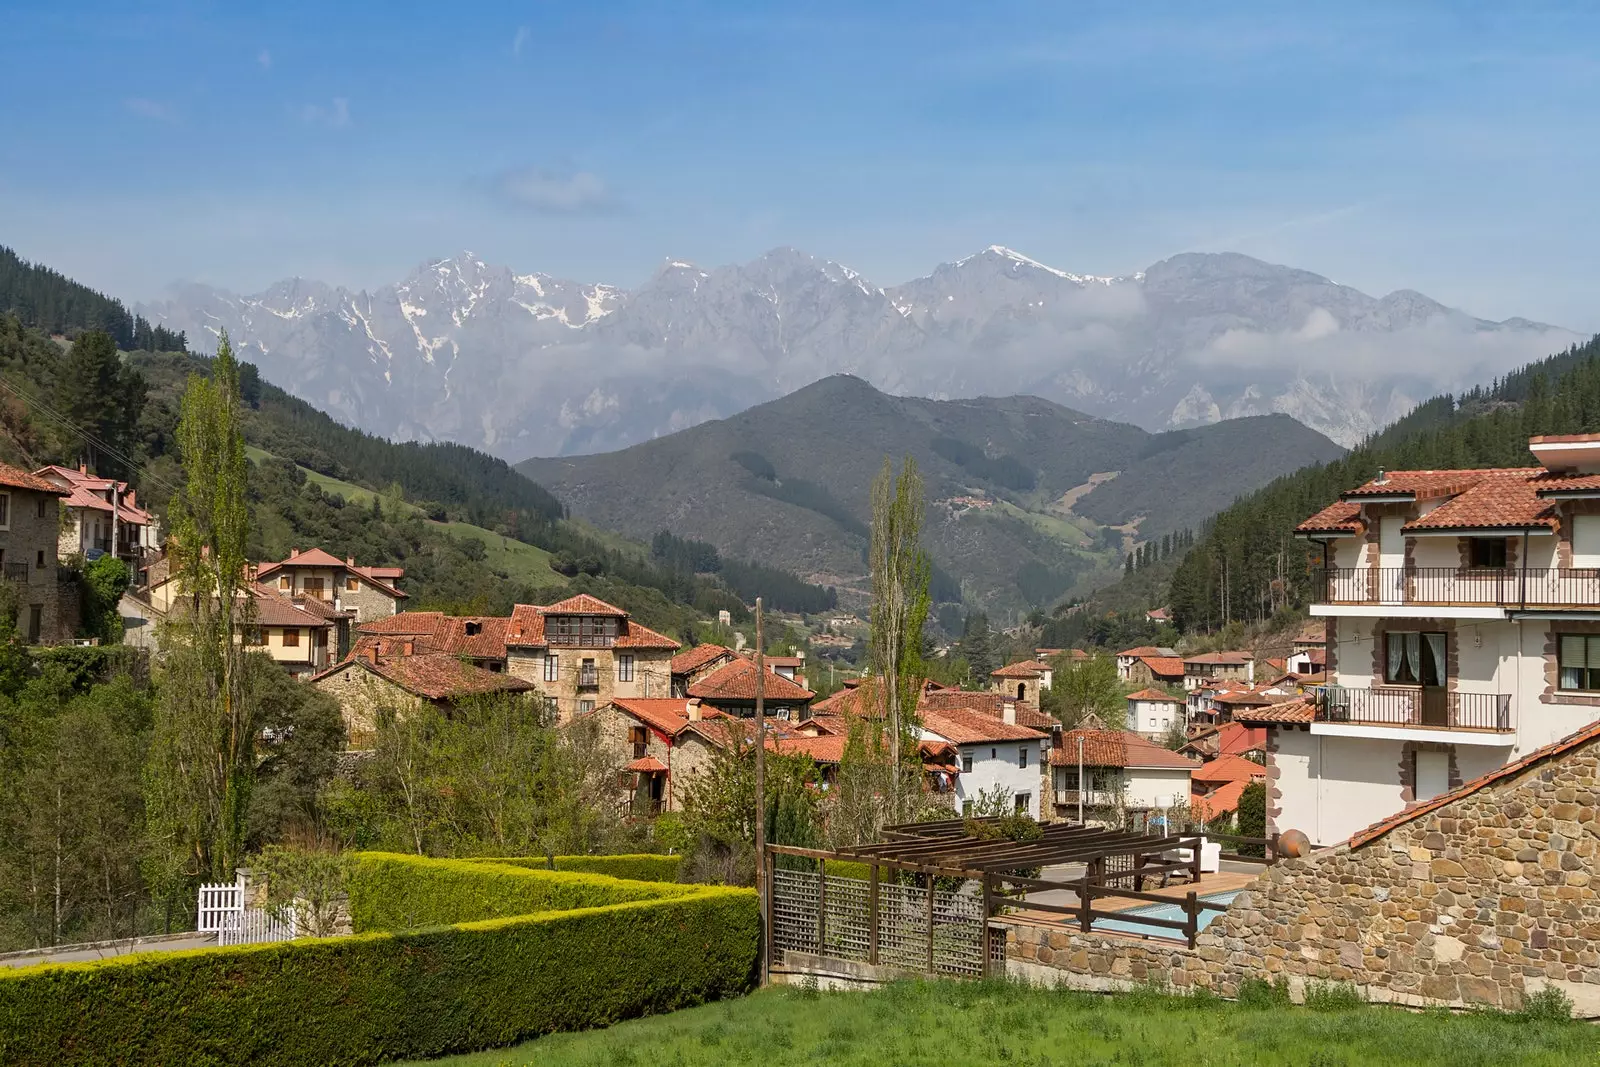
column 385, row 996
column 645, row 867
column 389, row 891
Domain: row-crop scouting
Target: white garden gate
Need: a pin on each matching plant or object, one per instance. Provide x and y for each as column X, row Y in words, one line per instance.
column 222, row 911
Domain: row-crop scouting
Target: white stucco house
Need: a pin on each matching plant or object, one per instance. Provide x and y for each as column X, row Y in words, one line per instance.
column 1463, row 616
column 994, row 754
column 1152, row 712
column 1120, row 769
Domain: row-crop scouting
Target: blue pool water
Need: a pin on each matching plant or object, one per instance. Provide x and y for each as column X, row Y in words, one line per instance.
column 1164, row 911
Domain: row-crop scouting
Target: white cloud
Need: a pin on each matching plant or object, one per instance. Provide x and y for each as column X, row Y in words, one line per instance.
column 519, row 40
column 335, row 115
column 556, row 192
column 264, row 59
column 146, row 108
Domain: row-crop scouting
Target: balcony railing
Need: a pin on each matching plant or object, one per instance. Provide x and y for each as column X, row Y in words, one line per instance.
column 1398, row 706
column 1503, row 587
column 16, row 572
column 588, row 678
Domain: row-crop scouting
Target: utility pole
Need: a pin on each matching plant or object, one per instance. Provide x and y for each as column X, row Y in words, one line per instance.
column 1081, row 783
column 763, row 890
column 114, row 505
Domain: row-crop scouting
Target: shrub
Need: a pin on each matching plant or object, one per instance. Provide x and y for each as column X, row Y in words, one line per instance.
column 1333, row 996
column 388, row 996
column 1260, row 994
column 395, row 892
column 646, row 867
column 1549, row 1004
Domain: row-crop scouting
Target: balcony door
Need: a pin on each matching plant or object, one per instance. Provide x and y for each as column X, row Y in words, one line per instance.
column 1391, row 559
column 1421, row 659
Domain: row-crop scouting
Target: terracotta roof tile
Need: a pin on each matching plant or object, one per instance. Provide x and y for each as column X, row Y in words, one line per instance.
column 1220, row 659
column 963, row 727
column 1155, row 696
column 825, row 748
column 1116, row 748
column 582, row 604
column 1508, row 770
column 1021, row 669
column 414, row 623
column 737, row 681
column 1222, row 800
column 1498, row 498
column 434, row 675
column 647, row 765
column 1229, row 769
column 668, row 716
column 1292, row 711
column 17, row 478
column 274, row 610
column 1163, row 666
column 1342, row 517
column 635, row 636
column 692, row 659
column 991, row 704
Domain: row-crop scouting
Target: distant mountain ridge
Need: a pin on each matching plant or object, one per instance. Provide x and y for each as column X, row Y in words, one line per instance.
column 788, row 480
column 532, row 364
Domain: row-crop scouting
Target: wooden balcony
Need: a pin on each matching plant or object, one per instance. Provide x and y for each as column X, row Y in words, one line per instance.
column 1496, row 587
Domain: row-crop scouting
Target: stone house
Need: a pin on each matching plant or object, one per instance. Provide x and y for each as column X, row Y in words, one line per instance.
column 98, row 511
column 1218, row 667
column 360, row 592
column 301, row 634
column 1460, row 621
column 1022, row 681
column 393, row 673
column 731, row 689
column 659, row 745
column 30, row 526
column 583, row 653
column 693, row 664
column 479, row 639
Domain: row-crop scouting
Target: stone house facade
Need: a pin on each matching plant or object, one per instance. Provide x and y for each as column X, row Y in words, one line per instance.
column 30, row 526
column 583, row 653
column 1481, row 896
column 1022, row 681
column 659, row 746
column 362, row 593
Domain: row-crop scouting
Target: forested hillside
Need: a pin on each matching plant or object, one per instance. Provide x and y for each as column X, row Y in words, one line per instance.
column 56, row 304
column 1248, row 565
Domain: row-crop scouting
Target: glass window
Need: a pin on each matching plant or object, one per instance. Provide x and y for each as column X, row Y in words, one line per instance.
column 966, row 764
column 552, row 668
column 1024, row 803
column 1413, row 658
column 625, row 667
column 966, row 809
column 1486, row 551
column 44, row 502
column 585, row 707
column 5, row 509
column 1022, row 756
column 1580, row 661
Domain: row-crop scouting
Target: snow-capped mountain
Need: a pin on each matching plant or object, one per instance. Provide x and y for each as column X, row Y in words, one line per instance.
column 531, row 364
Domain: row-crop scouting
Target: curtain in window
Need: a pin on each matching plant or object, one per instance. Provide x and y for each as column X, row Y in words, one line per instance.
column 1395, row 662
column 1573, row 661
column 1435, row 675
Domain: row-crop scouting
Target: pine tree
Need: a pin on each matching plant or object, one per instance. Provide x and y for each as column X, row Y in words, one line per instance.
column 101, row 397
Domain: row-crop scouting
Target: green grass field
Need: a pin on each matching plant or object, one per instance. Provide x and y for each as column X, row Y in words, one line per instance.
column 957, row 1024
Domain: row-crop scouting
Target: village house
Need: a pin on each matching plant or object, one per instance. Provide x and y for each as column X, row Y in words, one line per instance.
column 792, row 668
column 1147, row 665
column 998, row 758
column 30, row 525
column 100, row 511
column 301, row 634
column 582, row 653
column 1121, row 772
column 731, row 689
column 360, row 593
column 1209, row 741
column 1219, row 783
column 1461, row 627
column 693, row 664
column 396, row 674
column 1153, row 713
column 1022, row 681
column 659, row 745
column 1201, row 668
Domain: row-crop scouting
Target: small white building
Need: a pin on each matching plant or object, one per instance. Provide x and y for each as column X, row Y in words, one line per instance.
column 1152, row 712
column 1120, row 769
column 996, row 755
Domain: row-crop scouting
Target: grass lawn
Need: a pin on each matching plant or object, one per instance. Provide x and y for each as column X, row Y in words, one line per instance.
column 955, row 1024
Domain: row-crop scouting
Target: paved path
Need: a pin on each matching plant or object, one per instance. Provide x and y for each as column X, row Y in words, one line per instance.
column 106, row 949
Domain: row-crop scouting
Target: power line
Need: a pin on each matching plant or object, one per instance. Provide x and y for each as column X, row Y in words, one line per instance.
column 133, row 466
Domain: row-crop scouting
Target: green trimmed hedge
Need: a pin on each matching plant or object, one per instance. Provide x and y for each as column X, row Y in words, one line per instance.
column 644, row 867
column 389, row 891
column 387, row 996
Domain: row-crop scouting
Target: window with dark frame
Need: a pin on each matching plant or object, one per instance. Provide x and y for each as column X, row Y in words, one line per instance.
column 44, row 503
column 552, row 669
column 1579, row 659
column 1413, row 657
column 1486, row 552
column 966, row 764
column 1022, row 757
column 625, row 667
column 291, row 637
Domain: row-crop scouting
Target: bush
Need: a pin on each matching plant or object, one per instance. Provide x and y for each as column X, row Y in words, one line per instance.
column 1333, row 996
column 389, row 996
column 641, row 868
column 394, row 892
column 1548, row 1005
column 1260, row 994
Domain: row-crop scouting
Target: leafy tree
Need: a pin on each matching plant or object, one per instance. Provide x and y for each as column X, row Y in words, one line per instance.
column 1253, row 814
column 302, row 733
column 900, row 604
column 104, row 582
column 1084, row 687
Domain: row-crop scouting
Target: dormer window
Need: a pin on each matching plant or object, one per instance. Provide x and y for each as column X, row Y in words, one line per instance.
column 474, row 629
column 1486, row 551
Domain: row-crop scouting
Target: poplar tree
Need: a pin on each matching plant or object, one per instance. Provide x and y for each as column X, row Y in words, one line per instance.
column 900, row 575
column 203, row 757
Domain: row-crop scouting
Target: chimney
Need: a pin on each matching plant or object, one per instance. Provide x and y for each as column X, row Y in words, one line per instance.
column 293, row 552
column 83, row 468
column 372, row 654
column 1008, row 712
column 407, row 647
column 1382, row 478
column 692, row 709
column 349, row 561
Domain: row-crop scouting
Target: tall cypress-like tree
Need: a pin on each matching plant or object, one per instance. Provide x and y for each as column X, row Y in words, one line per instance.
column 203, row 757
column 900, row 575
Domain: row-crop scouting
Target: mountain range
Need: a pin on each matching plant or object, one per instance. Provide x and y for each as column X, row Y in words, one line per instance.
column 1027, row 500
column 530, row 364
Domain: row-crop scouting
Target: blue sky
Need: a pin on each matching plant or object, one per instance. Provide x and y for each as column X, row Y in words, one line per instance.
column 1449, row 148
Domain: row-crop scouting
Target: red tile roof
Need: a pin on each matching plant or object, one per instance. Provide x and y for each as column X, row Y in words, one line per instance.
column 1554, row 750
column 274, row 610
column 1292, row 711
column 1229, row 769
column 1237, row 739
column 635, row 636
column 737, row 681
column 1142, row 650
column 1340, row 517
column 963, row 727
column 85, row 492
column 1116, row 748
column 647, row 765
column 1221, row 659
column 1494, row 498
column 414, row 623
column 381, row 577
column 1163, row 666
column 850, row 700
column 668, row 717
column 17, row 478
column 991, row 704
column 582, row 604
column 311, row 557
column 1021, row 669
column 433, row 675
column 825, row 748
column 1220, row 801
column 1155, row 696
column 692, row 659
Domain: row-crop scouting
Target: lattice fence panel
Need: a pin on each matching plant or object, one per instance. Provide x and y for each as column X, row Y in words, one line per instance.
column 847, row 934
column 958, row 934
column 1118, row 870
column 958, row 923
column 794, row 911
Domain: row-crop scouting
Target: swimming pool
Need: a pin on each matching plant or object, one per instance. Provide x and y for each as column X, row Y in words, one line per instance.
column 1164, row 911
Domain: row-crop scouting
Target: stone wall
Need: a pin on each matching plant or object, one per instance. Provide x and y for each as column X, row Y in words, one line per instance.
column 1479, row 902
column 360, row 693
